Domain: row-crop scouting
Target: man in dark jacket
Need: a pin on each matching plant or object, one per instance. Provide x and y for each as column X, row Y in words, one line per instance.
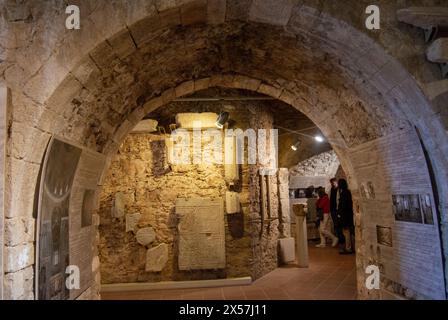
column 345, row 214
column 334, row 210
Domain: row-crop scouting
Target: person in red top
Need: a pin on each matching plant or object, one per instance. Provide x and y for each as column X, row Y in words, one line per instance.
column 323, row 206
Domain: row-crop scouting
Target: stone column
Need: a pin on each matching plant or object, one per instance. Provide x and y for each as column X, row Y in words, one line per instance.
column 301, row 235
column 3, row 138
column 283, row 195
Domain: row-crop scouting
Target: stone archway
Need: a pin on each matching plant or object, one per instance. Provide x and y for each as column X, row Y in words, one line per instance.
column 380, row 155
column 95, row 96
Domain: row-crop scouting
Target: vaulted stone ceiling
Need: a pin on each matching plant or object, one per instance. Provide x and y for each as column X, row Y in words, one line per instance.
column 118, row 85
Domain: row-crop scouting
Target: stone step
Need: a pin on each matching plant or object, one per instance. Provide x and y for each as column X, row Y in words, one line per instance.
column 168, row 285
column 436, row 88
column 438, row 51
column 424, row 17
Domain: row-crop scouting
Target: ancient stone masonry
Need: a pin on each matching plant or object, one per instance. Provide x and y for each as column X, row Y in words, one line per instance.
column 283, row 193
column 201, row 234
column 140, row 211
column 4, row 109
column 93, row 85
column 325, row 164
column 264, row 207
column 131, row 244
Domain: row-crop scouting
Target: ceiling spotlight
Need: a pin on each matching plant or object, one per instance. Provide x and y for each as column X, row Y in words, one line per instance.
column 222, row 119
column 295, row 146
column 319, row 139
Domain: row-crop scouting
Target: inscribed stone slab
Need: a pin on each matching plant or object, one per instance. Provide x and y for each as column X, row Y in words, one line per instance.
column 201, row 233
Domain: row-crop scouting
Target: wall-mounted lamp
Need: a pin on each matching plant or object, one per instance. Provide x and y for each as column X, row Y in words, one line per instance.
column 222, row 119
column 319, row 139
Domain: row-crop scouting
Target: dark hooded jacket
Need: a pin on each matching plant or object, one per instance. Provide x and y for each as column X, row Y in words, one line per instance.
column 345, row 207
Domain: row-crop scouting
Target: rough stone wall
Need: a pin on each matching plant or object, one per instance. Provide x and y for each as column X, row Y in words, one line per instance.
column 61, row 59
column 325, row 164
column 285, row 210
column 150, row 187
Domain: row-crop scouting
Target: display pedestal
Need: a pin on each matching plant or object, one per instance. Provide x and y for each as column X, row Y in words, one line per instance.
column 301, row 236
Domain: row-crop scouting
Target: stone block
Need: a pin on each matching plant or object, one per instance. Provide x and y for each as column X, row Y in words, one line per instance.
column 146, row 126
column 153, row 104
column 194, row 12
column 122, row 131
column 269, row 90
column 232, row 202
column 18, row 285
column 168, row 96
column 283, row 176
column 95, row 264
column 49, row 77
column 145, row 236
column 271, row 12
column 138, row 10
column 285, row 230
column 19, row 230
column 424, row 17
column 436, row 88
column 246, row 83
column 23, row 189
column 103, row 55
column 156, row 258
column 283, row 191
column 86, row 295
column 67, row 90
column 238, row 10
column 143, row 30
column 438, row 51
column 136, row 115
column 288, row 98
column 118, row 205
column 132, row 221
column 122, row 44
column 226, row 81
column 162, row 5
column 19, row 257
column 96, row 220
column 201, row 84
column 216, row 11
column 185, row 89
column 287, row 250
column 187, row 120
column 285, row 210
column 28, row 143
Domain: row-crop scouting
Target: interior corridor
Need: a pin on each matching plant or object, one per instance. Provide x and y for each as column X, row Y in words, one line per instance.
column 149, row 144
column 330, row 276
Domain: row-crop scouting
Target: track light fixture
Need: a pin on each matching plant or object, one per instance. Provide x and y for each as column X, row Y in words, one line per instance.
column 295, row 146
column 222, row 119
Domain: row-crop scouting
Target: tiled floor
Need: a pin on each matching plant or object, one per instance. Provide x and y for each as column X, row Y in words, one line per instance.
column 330, row 276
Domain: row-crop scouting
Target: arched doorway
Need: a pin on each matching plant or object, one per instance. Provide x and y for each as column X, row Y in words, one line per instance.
column 109, row 88
column 153, row 188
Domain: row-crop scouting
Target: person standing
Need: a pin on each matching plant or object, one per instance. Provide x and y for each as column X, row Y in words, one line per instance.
column 334, row 210
column 345, row 214
column 323, row 206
